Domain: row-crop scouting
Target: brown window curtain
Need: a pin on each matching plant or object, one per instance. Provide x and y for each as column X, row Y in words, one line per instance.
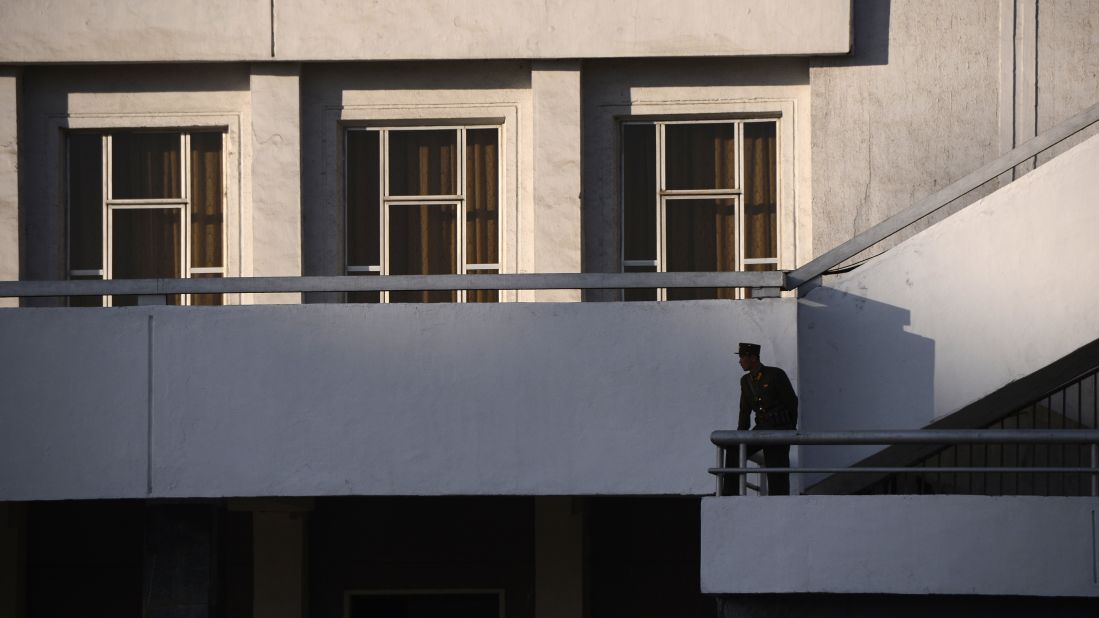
column 482, row 207
column 145, row 244
column 700, row 156
column 760, row 191
column 423, row 241
column 423, row 162
column 145, row 165
column 701, row 236
column 207, row 210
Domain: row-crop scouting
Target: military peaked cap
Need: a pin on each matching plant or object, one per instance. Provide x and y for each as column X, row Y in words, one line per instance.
column 748, row 349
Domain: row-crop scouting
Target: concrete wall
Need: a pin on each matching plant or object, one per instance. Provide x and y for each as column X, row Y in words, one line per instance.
column 161, row 30
column 984, row 298
column 1025, row 546
column 9, row 179
column 513, row 398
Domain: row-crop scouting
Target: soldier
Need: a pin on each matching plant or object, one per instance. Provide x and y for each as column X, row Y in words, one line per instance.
column 767, row 392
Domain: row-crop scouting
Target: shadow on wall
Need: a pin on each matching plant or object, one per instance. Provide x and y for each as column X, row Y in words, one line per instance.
column 859, row 369
column 870, row 29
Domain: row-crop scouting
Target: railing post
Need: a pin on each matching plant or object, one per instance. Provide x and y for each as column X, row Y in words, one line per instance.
column 742, row 463
column 1095, row 466
column 720, row 476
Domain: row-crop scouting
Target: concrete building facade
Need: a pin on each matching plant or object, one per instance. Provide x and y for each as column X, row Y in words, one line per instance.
column 532, row 452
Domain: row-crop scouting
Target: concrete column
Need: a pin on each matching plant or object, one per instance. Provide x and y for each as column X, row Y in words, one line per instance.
column 13, row 559
column 1026, row 76
column 180, row 561
column 9, row 179
column 276, row 175
column 558, row 557
column 555, row 87
column 278, row 557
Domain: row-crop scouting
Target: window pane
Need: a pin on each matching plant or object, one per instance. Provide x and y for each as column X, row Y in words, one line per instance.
column 423, row 241
column 207, row 211
column 700, row 156
column 630, row 294
column 760, row 191
column 85, row 201
column 482, row 196
column 423, row 162
column 483, row 296
column 145, row 165
column 207, row 299
column 639, row 191
column 701, row 237
column 363, row 198
column 145, row 245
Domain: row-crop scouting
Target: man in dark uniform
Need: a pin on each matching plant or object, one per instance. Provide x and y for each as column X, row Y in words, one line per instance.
column 767, row 392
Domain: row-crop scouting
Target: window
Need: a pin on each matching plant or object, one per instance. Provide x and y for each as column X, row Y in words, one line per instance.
column 146, row 205
column 423, row 201
column 697, row 197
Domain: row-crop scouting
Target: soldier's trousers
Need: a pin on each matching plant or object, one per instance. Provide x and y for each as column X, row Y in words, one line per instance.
column 778, row 483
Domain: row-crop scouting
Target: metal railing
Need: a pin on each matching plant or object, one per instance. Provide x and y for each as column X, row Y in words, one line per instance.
column 1072, row 406
column 762, row 283
column 741, row 440
column 932, row 203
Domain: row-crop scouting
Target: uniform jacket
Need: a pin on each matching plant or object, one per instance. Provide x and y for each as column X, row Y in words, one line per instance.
column 768, row 394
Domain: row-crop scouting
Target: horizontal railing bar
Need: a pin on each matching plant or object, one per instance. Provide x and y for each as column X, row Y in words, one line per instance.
column 920, row 470
column 731, row 438
column 942, row 197
column 523, row 281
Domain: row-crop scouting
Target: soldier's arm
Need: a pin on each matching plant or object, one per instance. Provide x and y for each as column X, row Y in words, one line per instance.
column 786, row 392
column 745, row 408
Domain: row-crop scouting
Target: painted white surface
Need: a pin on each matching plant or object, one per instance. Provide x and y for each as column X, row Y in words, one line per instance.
column 276, row 175
column 555, row 91
column 895, row 545
column 9, row 180
column 979, row 300
column 284, row 400
column 134, row 30
column 441, row 29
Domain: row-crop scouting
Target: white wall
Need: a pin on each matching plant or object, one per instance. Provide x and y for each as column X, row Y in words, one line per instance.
column 1027, row 546
column 283, row 400
column 979, row 300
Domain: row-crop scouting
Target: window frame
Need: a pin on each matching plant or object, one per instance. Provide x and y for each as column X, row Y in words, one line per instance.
column 387, row 200
column 665, row 195
column 182, row 204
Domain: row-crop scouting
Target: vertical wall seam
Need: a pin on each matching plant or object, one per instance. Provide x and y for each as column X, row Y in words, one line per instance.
column 149, row 409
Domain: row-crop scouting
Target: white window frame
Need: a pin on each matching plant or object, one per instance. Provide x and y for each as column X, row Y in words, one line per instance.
column 387, row 200
column 182, row 204
column 665, row 195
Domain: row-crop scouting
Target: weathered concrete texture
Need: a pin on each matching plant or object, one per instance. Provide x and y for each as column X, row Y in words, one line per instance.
column 1068, row 64
column 135, row 30
column 555, row 90
column 9, row 179
column 276, row 175
column 440, row 29
column 912, row 109
column 1027, row 546
column 284, row 400
column 955, row 312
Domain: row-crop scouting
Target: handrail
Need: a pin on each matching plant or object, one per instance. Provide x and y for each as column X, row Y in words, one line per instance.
column 740, row 440
column 350, row 283
column 942, row 197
